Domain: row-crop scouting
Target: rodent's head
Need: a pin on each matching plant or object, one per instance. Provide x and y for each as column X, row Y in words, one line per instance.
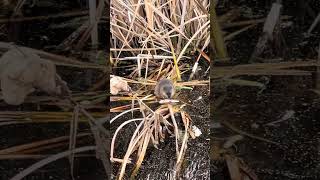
column 167, row 91
column 164, row 89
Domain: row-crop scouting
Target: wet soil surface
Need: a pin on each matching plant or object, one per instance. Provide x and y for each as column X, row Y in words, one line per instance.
column 288, row 101
column 297, row 43
column 295, row 111
column 85, row 166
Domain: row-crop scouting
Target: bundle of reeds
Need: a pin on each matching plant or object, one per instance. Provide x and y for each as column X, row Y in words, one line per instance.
column 154, row 38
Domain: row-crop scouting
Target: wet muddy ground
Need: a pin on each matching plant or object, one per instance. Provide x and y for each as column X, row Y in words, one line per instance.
column 86, row 166
column 295, row 111
column 288, row 101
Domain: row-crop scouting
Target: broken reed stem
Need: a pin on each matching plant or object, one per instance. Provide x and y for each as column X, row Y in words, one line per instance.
column 230, row 126
column 217, row 36
column 117, row 131
column 183, row 145
column 176, row 129
column 142, row 154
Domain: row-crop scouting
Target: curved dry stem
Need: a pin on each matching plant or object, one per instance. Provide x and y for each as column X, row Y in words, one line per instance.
column 117, row 131
column 117, row 116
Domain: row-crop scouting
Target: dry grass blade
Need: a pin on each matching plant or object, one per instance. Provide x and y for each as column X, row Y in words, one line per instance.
column 217, row 35
column 73, row 137
column 66, row 44
column 155, row 28
column 154, row 38
column 37, row 144
column 101, row 137
column 93, row 20
column 117, row 131
column 142, row 154
column 233, row 167
column 119, row 115
column 57, row 59
column 34, row 156
column 203, row 27
column 92, row 26
column 48, row 160
column 314, row 24
column 232, row 35
column 184, row 143
column 176, row 129
column 130, row 150
column 17, row 9
column 282, row 68
column 16, row 117
column 229, row 125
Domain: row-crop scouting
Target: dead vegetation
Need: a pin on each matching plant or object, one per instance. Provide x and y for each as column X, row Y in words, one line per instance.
column 152, row 40
column 37, row 87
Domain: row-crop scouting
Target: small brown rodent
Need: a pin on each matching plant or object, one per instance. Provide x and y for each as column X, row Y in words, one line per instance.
column 164, row 89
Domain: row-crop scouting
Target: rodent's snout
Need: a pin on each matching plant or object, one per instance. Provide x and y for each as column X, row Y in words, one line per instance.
column 164, row 89
column 168, row 91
